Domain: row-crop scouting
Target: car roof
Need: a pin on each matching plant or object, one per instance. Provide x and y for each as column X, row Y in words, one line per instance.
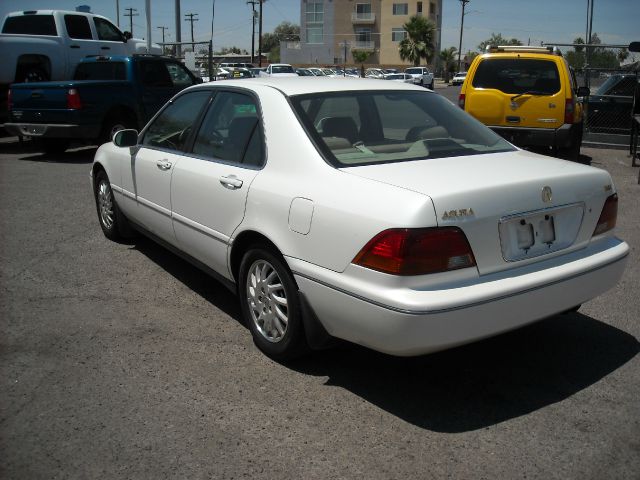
column 291, row 86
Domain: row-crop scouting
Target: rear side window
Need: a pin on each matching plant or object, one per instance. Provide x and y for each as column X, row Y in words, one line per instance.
column 510, row 75
column 100, row 71
column 154, row 74
column 179, row 75
column 31, row 25
column 78, row 27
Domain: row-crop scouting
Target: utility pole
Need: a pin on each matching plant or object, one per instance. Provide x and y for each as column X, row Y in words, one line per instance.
column 260, row 35
column 118, row 13
column 178, row 31
column 163, row 29
column 253, row 27
column 131, row 15
column 191, row 19
column 464, row 4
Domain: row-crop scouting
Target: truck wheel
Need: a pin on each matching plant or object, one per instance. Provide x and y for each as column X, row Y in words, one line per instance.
column 113, row 124
column 572, row 152
column 55, row 145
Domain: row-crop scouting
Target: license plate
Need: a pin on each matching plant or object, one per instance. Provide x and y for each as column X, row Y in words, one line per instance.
column 537, row 233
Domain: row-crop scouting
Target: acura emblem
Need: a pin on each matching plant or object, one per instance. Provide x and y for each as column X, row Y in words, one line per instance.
column 547, row 194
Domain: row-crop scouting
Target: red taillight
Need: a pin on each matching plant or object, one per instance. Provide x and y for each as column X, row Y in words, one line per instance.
column 609, row 215
column 417, row 251
column 461, row 101
column 73, row 99
column 9, row 100
column 569, row 108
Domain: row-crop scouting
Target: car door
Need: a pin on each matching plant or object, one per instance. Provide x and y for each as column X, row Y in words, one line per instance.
column 112, row 41
column 81, row 42
column 210, row 185
column 146, row 180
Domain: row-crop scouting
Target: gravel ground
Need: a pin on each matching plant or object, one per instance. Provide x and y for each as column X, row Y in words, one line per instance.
column 123, row 361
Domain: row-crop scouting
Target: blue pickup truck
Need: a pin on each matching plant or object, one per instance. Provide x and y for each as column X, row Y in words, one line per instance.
column 107, row 94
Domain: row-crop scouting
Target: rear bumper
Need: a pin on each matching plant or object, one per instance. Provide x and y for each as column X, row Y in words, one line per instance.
column 549, row 137
column 46, row 130
column 422, row 321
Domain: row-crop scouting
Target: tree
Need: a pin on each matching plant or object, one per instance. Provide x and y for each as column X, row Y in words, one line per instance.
column 419, row 42
column 285, row 32
column 497, row 39
column 360, row 56
column 448, row 57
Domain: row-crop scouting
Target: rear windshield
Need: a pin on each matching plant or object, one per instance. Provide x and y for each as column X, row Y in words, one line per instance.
column 282, row 69
column 413, row 71
column 368, row 127
column 510, row 75
column 30, row 25
column 100, row 71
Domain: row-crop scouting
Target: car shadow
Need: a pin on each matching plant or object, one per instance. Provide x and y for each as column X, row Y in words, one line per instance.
column 458, row 390
column 75, row 155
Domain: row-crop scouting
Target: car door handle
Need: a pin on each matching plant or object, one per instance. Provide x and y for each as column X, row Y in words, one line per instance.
column 231, row 182
column 105, row 48
column 163, row 164
column 74, row 46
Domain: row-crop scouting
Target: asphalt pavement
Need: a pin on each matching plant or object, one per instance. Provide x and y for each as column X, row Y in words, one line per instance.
column 123, row 361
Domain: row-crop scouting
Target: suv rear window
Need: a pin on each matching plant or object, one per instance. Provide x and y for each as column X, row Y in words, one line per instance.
column 510, row 75
column 100, row 71
column 31, row 25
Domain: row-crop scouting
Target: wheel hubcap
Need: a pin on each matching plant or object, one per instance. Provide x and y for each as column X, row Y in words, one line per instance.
column 267, row 300
column 105, row 204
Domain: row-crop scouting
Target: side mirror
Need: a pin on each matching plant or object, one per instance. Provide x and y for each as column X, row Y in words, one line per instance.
column 583, row 92
column 198, row 80
column 126, row 138
column 127, row 36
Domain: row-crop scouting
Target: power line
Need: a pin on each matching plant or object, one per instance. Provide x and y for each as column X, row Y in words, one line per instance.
column 131, row 15
column 163, row 29
column 191, row 19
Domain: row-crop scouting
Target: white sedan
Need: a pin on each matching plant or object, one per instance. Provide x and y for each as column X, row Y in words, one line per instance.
column 375, row 212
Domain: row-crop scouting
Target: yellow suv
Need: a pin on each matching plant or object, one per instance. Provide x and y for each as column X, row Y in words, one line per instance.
column 528, row 95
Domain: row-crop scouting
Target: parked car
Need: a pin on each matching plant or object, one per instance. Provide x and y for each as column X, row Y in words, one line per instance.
column 374, row 73
column 304, row 72
column 529, row 95
column 391, row 70
column 458, row 78
column 345, row 213
column 43, row 45
column 609, row 109
column 256, row 71
column 107, row 94
column 399, row 77
column 421, row 76
column 238, row 72
column 317, row 72
column 279, row 70
column 232, row 65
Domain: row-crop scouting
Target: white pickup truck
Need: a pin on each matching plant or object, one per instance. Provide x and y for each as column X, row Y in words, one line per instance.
column 42, row 45
column 421, row 76
column 279, row 70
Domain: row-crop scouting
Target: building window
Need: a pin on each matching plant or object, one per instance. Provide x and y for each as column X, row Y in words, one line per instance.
column 363, row 35
column 432, row 8
column 401, row 9
column 419, row 8
column 363, row 9
column 315, row 34
column 398, row 34
column 315, row 12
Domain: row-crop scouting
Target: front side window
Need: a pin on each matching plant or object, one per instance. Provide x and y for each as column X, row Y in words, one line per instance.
column 171, row 129
column 179, row 75
column 30, row 25
column 518, row 76
column 400, row 8
column 230, row 130
column 398, row 34
column 107, row 31
column 368, row 127
column 78, row 27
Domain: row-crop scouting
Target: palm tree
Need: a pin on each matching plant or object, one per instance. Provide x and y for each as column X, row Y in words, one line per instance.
column 419, row 42
column 448, row 57
column 360, row 56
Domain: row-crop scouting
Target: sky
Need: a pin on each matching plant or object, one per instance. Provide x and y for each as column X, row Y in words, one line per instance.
column 559, row 21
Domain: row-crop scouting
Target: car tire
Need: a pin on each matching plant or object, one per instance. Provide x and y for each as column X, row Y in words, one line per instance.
column 572, row 152
column 270, row 304
column 114, row 224
column 55, row 145
column 112, row 124
column 421, row 82
column 431, row 86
